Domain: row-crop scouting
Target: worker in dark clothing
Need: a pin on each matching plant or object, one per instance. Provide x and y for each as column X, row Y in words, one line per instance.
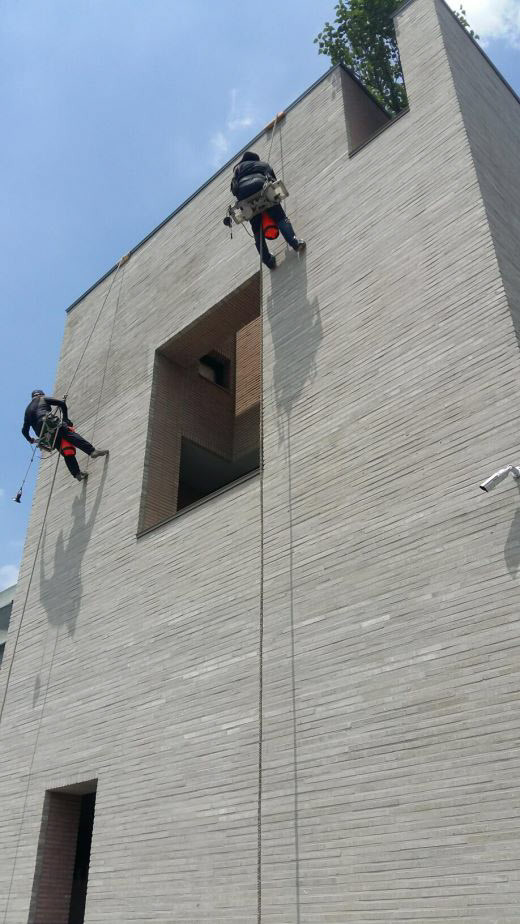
column 35, row 414
column 249, row 177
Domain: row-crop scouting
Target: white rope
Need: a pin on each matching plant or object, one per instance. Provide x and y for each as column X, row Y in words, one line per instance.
column 20, row 621
column 261, row 608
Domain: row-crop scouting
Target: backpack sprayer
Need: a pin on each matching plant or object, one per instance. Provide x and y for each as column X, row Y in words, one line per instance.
column 46, row 442
column 272, row 193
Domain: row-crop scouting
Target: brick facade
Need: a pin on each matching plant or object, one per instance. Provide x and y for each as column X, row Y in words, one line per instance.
column 225, row 421
column 52, row 886
column 390, row 582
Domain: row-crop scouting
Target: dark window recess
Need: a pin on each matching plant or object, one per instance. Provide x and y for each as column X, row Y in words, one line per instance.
column 202, row 472
column 215, row 369
column 5, row 616
column 364, row 117
column 78, row 895
column 62, row 862
column 202, row 438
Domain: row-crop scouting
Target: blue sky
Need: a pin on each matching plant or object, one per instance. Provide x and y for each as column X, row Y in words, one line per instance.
column 113, row 112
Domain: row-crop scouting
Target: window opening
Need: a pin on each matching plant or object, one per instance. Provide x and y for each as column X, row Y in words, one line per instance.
column 215, row 368
column 201, row 439
column 6, row 605
column 63, row 859
column 364, row 117
column 78, row 896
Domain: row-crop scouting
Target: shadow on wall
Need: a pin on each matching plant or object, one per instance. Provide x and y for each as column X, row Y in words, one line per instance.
column 512, row 546
column 60, row 593
column 296, row 332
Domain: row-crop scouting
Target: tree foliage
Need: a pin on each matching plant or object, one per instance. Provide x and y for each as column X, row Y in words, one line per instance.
column 461, row 16
column 363, row 38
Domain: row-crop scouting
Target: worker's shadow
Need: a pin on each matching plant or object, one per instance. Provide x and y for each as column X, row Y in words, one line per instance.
column 296, row 333
column 60, row 593
column 512, row 546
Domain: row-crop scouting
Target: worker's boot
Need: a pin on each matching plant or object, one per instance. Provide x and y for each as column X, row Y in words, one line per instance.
column 300, row 245
column 81, row 476
column 271, row 263
column 98, row 452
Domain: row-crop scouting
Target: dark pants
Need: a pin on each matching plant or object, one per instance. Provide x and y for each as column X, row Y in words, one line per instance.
column 78, row 442
column 286, row 230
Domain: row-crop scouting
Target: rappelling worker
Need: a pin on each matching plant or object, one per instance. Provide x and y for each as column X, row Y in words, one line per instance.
column 66, row 439
column 249, row 177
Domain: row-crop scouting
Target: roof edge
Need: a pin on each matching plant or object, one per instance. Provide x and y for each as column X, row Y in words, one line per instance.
column 408, row 3
column 206, row 183
column 220, row 170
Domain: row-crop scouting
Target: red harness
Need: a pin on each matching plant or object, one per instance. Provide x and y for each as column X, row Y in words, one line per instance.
column 270, row 228
column 66, row 448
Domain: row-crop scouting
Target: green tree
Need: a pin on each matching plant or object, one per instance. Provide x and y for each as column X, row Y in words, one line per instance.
column 461, row 16
column 363, row 38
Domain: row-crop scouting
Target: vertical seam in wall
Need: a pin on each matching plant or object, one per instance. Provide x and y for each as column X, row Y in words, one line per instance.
column 148, row 442
column 472, row 159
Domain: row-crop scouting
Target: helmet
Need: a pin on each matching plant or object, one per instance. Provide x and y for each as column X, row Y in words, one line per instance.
column 250, row 155
column 36, row 392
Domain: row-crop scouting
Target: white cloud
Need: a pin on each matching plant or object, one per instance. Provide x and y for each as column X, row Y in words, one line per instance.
column 220, row 147
column 8, row 575
column 493, row 19
column 240, row 116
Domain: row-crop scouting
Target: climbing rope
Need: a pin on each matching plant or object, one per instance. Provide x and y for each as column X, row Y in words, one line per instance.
column 272, row 137
column 261, row 612
column 116, row 309
column 17, row 636
column 24, row 607
column 20, row 621
column 262, row 582
column 122, row 261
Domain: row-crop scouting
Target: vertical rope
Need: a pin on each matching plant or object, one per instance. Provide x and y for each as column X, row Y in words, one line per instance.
column 107, row 356
column 20, row 621
column 272, row 137
column 17, row 636
column 261, row 614
column 9, row 677
column 100, row 312
column 262, row 583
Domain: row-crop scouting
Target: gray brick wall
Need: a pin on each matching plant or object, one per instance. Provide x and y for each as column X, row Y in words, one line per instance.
column 391, row 630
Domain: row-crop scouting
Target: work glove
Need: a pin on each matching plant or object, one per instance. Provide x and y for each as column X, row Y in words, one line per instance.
column 69, row 423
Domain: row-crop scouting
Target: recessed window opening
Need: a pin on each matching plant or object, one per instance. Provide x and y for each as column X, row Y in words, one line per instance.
column 63, row 859
column 6, row 605
column 202, row 439
column 364, row 117
column 78, row 896
column 215, row 368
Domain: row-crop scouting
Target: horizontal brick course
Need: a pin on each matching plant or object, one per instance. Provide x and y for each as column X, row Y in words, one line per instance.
column 390, row 759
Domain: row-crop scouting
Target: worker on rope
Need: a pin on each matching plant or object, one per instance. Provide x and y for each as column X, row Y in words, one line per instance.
column 36, row 412
column 249, row 177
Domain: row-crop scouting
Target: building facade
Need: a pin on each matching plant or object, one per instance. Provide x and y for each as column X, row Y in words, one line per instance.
column 292, row 697
column 6, row 606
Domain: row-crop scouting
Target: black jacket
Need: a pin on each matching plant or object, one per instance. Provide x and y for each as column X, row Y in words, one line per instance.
column 249, row 176
column 37, row 410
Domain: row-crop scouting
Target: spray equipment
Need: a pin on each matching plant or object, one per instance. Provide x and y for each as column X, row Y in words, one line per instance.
column 500, row 476
column 18, row 496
